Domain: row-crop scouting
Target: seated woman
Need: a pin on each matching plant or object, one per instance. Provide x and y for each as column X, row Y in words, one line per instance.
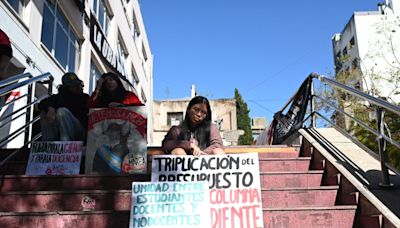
column 112, row 144
column 111, row 93
column 196, row 135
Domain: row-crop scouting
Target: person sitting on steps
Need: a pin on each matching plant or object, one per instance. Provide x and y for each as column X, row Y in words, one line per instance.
column 196, row 135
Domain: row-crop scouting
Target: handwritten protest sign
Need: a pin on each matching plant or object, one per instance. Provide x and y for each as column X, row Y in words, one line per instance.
column 170, row 204
column 234, row 183
column 54, row 158
column 117, row 141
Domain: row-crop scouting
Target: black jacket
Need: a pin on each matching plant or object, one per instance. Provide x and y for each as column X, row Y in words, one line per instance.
column 76, row 103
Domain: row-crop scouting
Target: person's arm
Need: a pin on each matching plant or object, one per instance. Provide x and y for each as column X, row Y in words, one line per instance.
column 172, row 141
column 93, row 101
column 215, row 140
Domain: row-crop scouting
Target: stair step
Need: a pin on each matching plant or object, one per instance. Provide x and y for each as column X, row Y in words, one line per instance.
column 323, row 196
column 284, row 164
column 266, row 165
column 291, row 179
column 72, row 182
column 47, row 201
column 265, row 152
column 61, row 219
column 337, row 216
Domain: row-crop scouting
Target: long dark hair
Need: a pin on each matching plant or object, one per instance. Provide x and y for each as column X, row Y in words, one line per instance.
column 107, row 97
column 201, row 132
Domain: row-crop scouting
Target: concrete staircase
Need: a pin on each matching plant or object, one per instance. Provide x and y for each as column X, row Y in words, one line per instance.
column 292, row 195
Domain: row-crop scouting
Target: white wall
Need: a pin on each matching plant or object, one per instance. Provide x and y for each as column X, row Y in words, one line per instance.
column 25, row 34
column 377, row 48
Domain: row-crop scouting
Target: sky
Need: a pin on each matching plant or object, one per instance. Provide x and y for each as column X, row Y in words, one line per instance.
column 263, row 48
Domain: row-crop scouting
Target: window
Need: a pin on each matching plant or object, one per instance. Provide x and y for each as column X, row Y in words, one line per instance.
column 144, row 53
column 134, row 75
column 174, row 118
column 143, row 96
column 338, row 61
column 135, row 30
column 58, row 36
column 345, row 51
column 17, row 5
column 354, row 64
column 352, row 42
column 95, row 74
column 103, row 18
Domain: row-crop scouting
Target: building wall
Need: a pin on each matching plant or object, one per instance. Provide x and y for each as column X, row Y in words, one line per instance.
column 32, row 55
column 222, row 109
column 376, row 50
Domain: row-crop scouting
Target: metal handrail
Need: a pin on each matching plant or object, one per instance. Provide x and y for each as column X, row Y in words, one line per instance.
column 366, row 127
column 16, row 82
column 30, row 81
column 377, row 101
column 381, row 105
column 13, row 79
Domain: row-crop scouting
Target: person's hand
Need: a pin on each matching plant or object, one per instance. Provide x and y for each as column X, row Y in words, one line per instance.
column 51, row 115
column 195, row 149
column 114, row 104
column 99, row 83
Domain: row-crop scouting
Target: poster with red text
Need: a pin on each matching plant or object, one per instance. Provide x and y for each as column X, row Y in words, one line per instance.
column 117, row 140
column 234, row 182
column 55, row 158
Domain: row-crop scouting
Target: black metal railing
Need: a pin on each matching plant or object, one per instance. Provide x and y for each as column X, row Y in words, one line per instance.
column 380, row 107
column 14, row 83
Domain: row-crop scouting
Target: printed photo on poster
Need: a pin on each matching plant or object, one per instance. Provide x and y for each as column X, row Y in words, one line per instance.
column 117, row 140
column 55, row 158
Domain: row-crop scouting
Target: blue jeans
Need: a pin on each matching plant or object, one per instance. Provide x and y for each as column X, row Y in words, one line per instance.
column 66, row 127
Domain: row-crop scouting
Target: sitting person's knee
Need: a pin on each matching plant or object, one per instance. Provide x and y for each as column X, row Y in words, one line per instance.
column 218, row 151
column 178, row 151
column 62, row 111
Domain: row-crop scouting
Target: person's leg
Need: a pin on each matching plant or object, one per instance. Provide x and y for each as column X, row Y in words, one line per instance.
column 178, row 151
column 49, row 129
column 70, row 127
column 218, row 151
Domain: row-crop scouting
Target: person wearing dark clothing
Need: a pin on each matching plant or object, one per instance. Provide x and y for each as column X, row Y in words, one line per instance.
column 111, row 93
column 64, row 115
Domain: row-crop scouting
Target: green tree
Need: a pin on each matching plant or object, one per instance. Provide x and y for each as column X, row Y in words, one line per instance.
column 243, row 120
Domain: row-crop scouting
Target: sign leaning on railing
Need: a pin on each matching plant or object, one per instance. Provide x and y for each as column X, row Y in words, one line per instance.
column 117, row 141
column 234, row 182
column 170, row 204
column 55, row 158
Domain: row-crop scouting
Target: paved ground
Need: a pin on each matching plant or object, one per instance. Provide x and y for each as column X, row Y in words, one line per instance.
column 365, row 167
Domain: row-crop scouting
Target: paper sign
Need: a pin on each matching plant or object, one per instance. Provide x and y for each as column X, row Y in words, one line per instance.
column 117, row 141
column 55, row 158
column 170, row 204
column 234, row 182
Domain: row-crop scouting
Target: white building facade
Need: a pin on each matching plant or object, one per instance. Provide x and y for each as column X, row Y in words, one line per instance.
column 88, row 37
column 368, row 49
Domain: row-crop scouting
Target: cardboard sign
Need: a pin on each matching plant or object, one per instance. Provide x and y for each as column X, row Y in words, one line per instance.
column 170, row 204
column 234, row 182
column 116, row 141
column 55, row 158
